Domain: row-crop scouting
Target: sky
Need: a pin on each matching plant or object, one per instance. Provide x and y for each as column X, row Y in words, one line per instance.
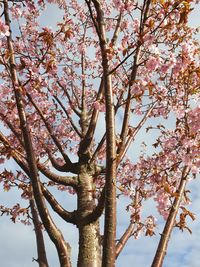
column 17, row 242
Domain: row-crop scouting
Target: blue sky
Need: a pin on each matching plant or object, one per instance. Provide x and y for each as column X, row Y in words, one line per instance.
column 17, row 242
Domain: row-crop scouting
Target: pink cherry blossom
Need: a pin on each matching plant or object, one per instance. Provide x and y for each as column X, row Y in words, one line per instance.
column 4, row 29
column 138, row 63
column 152, row 63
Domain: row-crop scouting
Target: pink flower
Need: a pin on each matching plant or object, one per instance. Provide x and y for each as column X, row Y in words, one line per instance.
column 177, row 68
column 136, row 25
column 152, row 63
column 16, row 12
column 148, row 39
column 4, row 29
column 137, row 90
column 99, row 106
column 2, row 160
column 164, row 68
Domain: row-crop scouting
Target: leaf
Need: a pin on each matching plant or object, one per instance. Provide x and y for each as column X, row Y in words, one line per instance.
column 192, row 216
column 175, row 194
column 68, row 34
column 47, row 37
column 167, row 188
column 124, row 52
column 7, row 55
column 189, row 230
column 149, row 232
column 1, row 62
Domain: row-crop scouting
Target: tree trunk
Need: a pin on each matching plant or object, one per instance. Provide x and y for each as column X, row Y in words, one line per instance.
column 89, row 237
column 89, row 246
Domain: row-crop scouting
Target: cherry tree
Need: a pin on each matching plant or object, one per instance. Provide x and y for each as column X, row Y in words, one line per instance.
column 132, row 62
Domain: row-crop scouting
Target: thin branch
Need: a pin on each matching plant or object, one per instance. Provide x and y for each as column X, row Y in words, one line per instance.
column 69, row 217
column 100, row 145
column 42, row 258
column 63, row 180
column 78, row 113
column 87, row 140
column 124, row 130
column 117, row 30
column 122, row 62
column 88, row 2
column 50, row 130
column 68, row 117
column 12, row 128
column 133, row 133
column 59, row 167
column 84, row 115
column 165, row 236
column 17, row 156
column 123, row 240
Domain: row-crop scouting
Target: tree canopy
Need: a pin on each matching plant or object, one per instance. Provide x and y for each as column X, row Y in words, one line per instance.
column 75, row 101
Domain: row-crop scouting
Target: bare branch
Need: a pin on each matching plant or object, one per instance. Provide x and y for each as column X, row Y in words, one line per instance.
column 87, row 140
column 78, row 113
column 64, row 180
column 68, row 117
column 108, row 258
column 133, row 133
column 123, row 240
column 124, row 130
column 42, row 258
column 117, row 30
column 97, row 212
column 65, row 215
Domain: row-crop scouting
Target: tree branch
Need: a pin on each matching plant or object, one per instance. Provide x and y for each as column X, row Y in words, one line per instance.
column 50, row 130
column 133, row 133
column 123, row 240
column 42, row 258
column 78, row 113
column 117, row 30
column 51, row 228
column 87, row 140
column 69, row 217
column 63, row 180
column 108, row 259
column 165, row 236
column 68, row 117
column 97, row 212
column 17, row 156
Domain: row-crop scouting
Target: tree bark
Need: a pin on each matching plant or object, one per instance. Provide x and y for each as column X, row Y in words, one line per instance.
column 109, row 254
column 89, row 246
column 89, row 237
column 165, row 236
column 42, row 258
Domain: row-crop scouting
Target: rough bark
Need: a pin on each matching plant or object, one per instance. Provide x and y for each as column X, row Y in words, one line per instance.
column 89, row 237
column 89, row 246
